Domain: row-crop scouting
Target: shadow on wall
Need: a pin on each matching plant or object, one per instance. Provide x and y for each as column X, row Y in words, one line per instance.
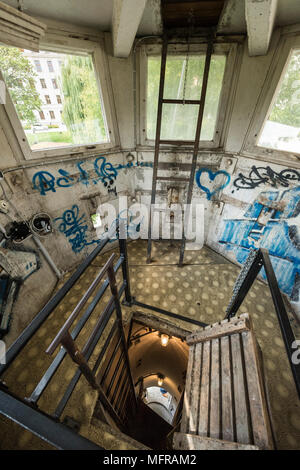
column 270, row 223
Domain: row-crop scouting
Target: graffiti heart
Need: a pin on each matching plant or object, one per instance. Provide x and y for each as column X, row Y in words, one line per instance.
column 103, row 172
column 212, row 175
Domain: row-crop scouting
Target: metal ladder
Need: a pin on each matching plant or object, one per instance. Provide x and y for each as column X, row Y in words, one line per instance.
column 159, row 141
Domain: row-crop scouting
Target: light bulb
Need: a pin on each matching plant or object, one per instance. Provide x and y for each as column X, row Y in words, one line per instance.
column 164, row 340
column 160, row 381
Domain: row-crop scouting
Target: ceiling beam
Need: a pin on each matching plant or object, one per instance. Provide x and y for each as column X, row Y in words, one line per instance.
column 127, row 15
column 260, row 18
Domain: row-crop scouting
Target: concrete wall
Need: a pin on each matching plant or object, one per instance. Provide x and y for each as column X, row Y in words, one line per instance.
column 263, row 213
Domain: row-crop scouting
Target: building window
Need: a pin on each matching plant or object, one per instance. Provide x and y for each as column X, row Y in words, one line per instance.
column 38, row 66
column 183, row 80
column 281, row 130
column 50, row 66
column 82, row 117
column 96, row 220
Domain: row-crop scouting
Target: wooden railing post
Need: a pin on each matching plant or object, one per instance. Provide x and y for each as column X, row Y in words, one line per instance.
column 125, row 267
column 77, row 356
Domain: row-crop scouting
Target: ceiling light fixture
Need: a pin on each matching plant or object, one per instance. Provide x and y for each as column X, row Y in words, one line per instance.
column 164, row 339
column 160, row 380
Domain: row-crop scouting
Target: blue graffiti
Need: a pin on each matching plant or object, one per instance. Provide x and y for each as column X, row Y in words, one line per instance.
column 212, row 175
column 265, row 225
column 130, row 227
column 74, row 227
column 105, row 172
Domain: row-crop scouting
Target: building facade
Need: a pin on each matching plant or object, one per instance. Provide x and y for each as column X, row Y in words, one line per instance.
column 47, row 81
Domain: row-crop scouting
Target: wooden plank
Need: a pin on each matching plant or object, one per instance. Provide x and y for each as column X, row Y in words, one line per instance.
column 16, row 13
column 191, row 442
column 215, row 395
column 240, row 402
column 195, row 388
column 187, row 393
column 233, row 326
column 226, row 385
column 203, row 426
column 23, row 22
column 14, row 41
column 258, row 406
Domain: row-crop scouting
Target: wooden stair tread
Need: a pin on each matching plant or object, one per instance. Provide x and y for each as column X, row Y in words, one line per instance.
column 225, row 396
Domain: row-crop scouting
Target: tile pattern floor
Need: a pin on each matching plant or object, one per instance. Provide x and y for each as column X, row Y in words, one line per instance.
column 200, row 290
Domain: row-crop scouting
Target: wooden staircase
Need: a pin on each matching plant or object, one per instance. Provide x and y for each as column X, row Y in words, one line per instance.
column 225, row 404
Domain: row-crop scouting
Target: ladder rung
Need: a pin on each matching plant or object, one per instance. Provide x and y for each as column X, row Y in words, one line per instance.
column 170, row 101
column 177, row 142
column 172, row 178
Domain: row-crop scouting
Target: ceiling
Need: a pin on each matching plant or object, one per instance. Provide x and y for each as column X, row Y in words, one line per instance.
column 183, row 13
column 97, row 14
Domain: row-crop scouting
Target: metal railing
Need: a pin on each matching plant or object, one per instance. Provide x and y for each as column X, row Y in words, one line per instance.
column 111, row 375
column 255, row 262
column 114, row 396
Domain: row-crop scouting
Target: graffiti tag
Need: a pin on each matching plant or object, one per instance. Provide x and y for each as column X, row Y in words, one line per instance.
column 104, row 172
column 262, row 175
column 74, row 227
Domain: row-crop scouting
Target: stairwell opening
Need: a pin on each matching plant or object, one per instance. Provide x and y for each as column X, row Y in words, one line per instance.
column 158, row 356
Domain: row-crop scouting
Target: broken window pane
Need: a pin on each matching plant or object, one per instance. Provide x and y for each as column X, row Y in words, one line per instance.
column 183, row 80
column 76, row 118
column 282, row 128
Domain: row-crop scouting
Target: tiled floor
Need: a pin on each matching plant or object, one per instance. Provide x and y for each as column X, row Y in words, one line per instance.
column 201, row 290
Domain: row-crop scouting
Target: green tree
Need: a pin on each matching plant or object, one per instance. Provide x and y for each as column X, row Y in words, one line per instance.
column 82, row 111
column 19, row 77
column 286, row 109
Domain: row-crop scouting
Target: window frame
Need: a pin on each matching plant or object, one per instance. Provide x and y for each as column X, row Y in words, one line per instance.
column 59, row 43
column 230, row 49
column 265, row 102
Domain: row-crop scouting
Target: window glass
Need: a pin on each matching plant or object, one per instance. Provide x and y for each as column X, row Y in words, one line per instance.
column 77, row 117
column 282, row 128
column 183, row 80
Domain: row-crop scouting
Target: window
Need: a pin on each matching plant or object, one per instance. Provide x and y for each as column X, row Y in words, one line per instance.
column 96, row 220
column 54, row 83
column 81, row 118
column 38, row 66
column 50, row 66
column 183, row 80
column 282, row 127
